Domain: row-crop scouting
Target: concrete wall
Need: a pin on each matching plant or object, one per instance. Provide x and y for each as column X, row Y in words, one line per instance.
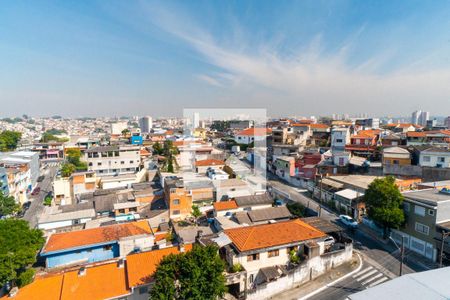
column 405, row 170
column 311, row 269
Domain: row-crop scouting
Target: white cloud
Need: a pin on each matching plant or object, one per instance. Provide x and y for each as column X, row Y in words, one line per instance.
column 309, row 77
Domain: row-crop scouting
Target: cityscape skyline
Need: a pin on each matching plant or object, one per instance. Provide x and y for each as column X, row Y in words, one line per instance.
column 123, row 59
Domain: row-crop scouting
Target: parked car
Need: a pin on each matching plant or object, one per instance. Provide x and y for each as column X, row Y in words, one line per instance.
column 36, row 191
column 40, row 178
column 348, row 221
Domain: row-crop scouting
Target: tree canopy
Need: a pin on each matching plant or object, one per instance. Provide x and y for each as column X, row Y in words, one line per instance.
column 9, row 140
column 67, row 169
column 19, row 245
column 384, row 203
column 197, row 274
column 8, row 205
column 73, row 156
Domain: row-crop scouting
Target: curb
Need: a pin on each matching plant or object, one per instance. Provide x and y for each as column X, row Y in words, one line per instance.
column 336, row 281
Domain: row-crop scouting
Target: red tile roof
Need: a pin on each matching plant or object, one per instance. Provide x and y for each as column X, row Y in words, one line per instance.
column 80, row 238
column 269, row 235
column 225, row 205
column 142, row 266
column 255, row 132
column 318, row 125
column 209, row 162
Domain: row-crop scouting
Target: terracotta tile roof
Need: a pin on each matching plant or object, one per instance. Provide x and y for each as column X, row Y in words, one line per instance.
column 225, row 205
column 268, row 235
column 100, row 282
column 42, row 288
column 80, row 238
column 144, row 152
column 142, row 266
column 416, row 134
column 255, row 132
column 318, row 125
column 103, row 281
column 209, row 162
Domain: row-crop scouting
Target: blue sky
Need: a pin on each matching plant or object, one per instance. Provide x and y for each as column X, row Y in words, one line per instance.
column 292, row 57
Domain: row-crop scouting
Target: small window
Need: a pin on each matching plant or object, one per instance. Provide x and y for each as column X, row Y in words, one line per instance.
column 252, row 278
column 176, row 212
column 422, row 228
column 131, row 161
column 90, row 164
column 419, row 210
column 107, row 248
column 253, row 257
column 274, row 253
column 431, row 212
column 441, row 159
column 122, row 162
column 99, row 164
column 426, row 159
column 176, row 201
column 122, row 211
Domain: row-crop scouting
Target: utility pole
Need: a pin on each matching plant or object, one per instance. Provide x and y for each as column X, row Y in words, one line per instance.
column 441, row 254
column 402, row 254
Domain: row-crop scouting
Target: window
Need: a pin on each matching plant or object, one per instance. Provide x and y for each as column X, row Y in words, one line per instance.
column 107, row 247
column 252, row 278
column 338, row 140
column 395, row 162
column 274, row 253
column 143, row 290
column 99, row 164
column 90, row 164
column 406, row 206
column 253, row 257
column 176, row 201
column 131, row 161
column 441, row 159
column 176, row 212
column 422, row 228
column 419, row 210
column 426, row 159
column 122, row 162
column 431, row 212
column 121, row 211
column 76, row 221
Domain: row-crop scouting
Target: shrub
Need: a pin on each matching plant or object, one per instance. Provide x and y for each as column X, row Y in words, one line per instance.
column 236, row 268
column 25, row 277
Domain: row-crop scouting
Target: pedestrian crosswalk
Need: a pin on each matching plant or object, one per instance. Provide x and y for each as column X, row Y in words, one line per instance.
column 369, row 277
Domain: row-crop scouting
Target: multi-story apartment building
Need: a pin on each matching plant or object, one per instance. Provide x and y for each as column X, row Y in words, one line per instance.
column 425, row 212
column 178, row 198
column 339, row 138
column 112, row 160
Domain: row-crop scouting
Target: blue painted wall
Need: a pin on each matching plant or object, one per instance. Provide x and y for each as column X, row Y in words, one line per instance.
column 93, row 254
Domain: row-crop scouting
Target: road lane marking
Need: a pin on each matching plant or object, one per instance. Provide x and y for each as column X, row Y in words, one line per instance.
column 372, row 278
column 377, row 282
column 366, row 275
column 362, row 272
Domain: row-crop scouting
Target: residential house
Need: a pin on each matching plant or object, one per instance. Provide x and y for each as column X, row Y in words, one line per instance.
column 435, row 157
column 396, row 156
column 364, row 143
column 251, row 135
column 66, row 189
column 55, row 217
column 201, row 166
column 254, row 202
column 178, row 199
column 427, row 213
column 96, row 244
column 231, row 188
column 113, row 160
column 268, row 247
column 340, row 136
column 285, row 167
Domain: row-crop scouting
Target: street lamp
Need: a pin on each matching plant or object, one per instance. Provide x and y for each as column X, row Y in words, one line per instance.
column 402, row 251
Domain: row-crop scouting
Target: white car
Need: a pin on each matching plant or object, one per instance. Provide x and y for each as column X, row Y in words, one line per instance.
column 348, row 221
column 329, row 240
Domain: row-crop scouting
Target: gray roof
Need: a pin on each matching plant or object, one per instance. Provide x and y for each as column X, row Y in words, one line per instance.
column 437, row 149
column 423, row 285
column 102, row 149
column 254, row 200
column 322, row 224
column 271, row 213
column 428, row 196
column 242, row 217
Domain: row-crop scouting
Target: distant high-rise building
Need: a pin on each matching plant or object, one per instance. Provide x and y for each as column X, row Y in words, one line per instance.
column 447, row 122
column 415, row 117
column 424, row 117
column 196, row 120
column 146, row 124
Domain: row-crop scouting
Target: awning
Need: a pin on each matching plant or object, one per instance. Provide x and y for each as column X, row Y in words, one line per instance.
column 332, row 183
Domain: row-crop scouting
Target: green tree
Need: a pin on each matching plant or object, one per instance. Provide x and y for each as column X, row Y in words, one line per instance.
column 196, row 213
column 8, row 205
column 19, row 245
column 197, row 274
column 296, row 209
column 26, row 277
column 384, row 203
column 67, row 169
column 157, row 148
column 170, row 168
column 125, row 132
column 9, row 140
column 73, row 157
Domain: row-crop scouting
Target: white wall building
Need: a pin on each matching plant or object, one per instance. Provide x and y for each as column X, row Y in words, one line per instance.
column 435, row 157
column 112, row 160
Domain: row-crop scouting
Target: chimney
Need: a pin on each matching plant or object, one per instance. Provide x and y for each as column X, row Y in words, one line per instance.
column 82, row 271
column 121, row 263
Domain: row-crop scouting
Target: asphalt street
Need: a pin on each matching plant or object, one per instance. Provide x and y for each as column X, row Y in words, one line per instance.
column 37, row 202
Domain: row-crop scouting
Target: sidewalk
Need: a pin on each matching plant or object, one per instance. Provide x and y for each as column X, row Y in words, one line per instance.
column 321, row 281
